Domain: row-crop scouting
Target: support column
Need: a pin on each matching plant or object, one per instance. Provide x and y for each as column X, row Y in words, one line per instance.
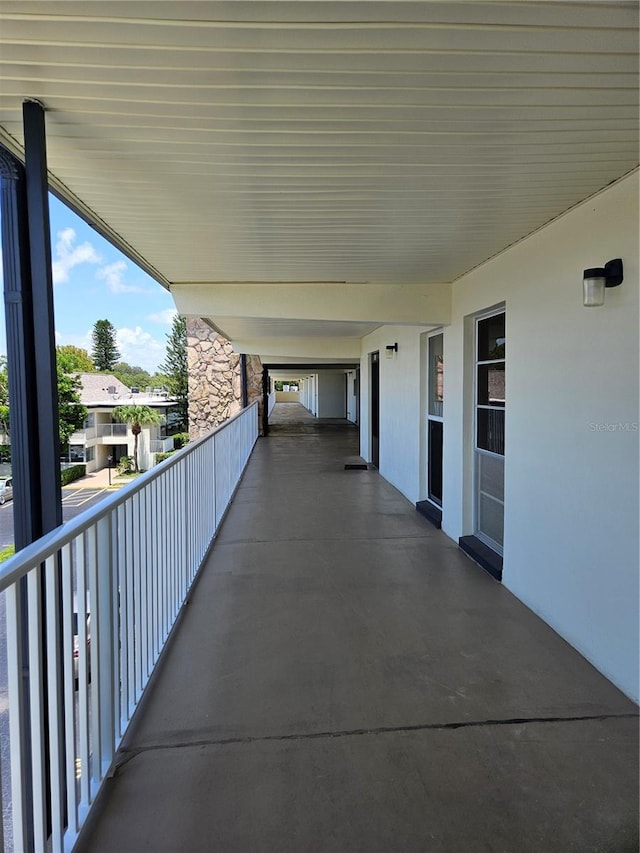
column 243, row 381
column 45, row 379
column 24, row 466
column 265, row 401
column 33, row 391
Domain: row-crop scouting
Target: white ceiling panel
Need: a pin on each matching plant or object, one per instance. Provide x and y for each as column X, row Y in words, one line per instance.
column 323, row 141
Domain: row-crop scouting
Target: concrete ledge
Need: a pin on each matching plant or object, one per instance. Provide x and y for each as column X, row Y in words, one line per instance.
column 482, row 555
column 430, row 512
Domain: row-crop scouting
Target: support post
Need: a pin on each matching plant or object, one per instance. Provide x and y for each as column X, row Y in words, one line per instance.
column 265, row 401
column 26, row 508
column 45, row 380
column 243, row 380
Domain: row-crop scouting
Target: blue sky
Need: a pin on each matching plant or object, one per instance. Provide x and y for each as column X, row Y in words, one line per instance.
column 94, row 281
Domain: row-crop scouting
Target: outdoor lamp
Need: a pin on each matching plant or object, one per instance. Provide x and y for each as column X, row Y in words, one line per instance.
column 595, row 279
column 390, row 349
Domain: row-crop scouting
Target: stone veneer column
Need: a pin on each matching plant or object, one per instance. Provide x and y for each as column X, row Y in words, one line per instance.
column 215, row 392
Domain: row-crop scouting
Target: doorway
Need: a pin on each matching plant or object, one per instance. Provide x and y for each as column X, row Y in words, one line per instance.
column 489, row 444
column 435, row 398
column 374, row 372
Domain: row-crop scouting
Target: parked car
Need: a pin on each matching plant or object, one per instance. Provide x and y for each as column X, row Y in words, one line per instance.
column 6, row 490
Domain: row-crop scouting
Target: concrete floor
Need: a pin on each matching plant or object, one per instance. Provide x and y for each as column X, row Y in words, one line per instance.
column 294, row 419
column 345, row 679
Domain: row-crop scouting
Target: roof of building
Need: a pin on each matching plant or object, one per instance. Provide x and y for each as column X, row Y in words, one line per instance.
column 103, row 389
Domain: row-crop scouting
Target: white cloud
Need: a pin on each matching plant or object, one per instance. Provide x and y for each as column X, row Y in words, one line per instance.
column 83, row 341
column 67, row 255
column 164, row 317
column 112, row 274
column 140, row 348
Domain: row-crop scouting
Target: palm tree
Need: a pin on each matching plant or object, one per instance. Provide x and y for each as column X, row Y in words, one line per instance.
column 137, row 417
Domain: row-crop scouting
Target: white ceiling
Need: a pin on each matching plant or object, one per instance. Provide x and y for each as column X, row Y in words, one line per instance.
column 324, row 141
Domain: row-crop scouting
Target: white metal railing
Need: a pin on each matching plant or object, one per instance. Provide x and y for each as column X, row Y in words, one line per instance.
column 110, row 430
column 100, row 595
column 272, row 402
column 82, row 435
column 160, row 445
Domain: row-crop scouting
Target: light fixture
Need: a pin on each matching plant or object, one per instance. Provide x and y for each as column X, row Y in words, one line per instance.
column 596, row 279
column 390, row 349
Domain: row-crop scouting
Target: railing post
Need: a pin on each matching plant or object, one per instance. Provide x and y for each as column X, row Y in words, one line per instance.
column 102, row 629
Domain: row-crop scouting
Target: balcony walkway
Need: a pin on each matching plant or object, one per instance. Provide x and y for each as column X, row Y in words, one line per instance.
column 345, row 679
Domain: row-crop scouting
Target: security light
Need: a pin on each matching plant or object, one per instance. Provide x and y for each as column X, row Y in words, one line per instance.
column 596, row 279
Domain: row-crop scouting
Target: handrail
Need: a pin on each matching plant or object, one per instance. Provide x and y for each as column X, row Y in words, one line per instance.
column 128, row 563
column 38, row 551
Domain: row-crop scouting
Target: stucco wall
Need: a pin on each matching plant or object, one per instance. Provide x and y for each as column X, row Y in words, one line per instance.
column 332, row 400
column 352, row 401
column 400, row 411
column 571, row 466
column 287, row 396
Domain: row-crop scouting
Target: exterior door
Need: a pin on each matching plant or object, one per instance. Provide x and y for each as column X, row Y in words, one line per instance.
column 434, row 417
column 489, row 445
column 374, row 371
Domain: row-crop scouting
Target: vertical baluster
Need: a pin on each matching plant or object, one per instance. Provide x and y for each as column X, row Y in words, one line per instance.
column 17, row 715
column 102, row 627
column 84, row 662
column 69, row 697
column 36, row 699
column 123, row 607
column 131, row 596
column 142, row 570
column 114, row 590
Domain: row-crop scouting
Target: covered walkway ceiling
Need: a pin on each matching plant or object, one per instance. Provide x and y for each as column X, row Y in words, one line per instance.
column 362, row 144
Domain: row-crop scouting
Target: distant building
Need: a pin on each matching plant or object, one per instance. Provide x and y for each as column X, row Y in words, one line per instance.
column 101, row 437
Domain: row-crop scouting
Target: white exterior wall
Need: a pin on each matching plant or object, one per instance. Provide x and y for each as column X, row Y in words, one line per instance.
column 400, row 413
column 332, row 401
column 571, row 485
column 352, row 402
column 311, row 394
column 571, row 491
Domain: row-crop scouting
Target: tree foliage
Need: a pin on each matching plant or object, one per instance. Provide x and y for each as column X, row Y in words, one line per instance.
column 131, row 375
column 137, row 417
column 4, row 396
column 105, row 352
column 72, row 414
column 74, row 359
column 175, row 365
column 4, row 381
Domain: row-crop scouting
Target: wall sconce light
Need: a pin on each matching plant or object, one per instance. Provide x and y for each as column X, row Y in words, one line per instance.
column 390, row 349
column 596, row 279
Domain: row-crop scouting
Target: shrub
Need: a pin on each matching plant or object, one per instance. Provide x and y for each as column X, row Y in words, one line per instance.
column 68, row 475
column 5, row 453
column 125, row 465
column 180, row 439
column 160, row 457
column 7, row 552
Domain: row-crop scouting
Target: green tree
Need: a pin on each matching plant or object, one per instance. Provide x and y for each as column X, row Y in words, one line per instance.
column 105, row 353
column 4, row 395
column 131, row 375
column 175, row 365
column 74, row 359
column 137, row 417
column 72, row 414
column 4, row 381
